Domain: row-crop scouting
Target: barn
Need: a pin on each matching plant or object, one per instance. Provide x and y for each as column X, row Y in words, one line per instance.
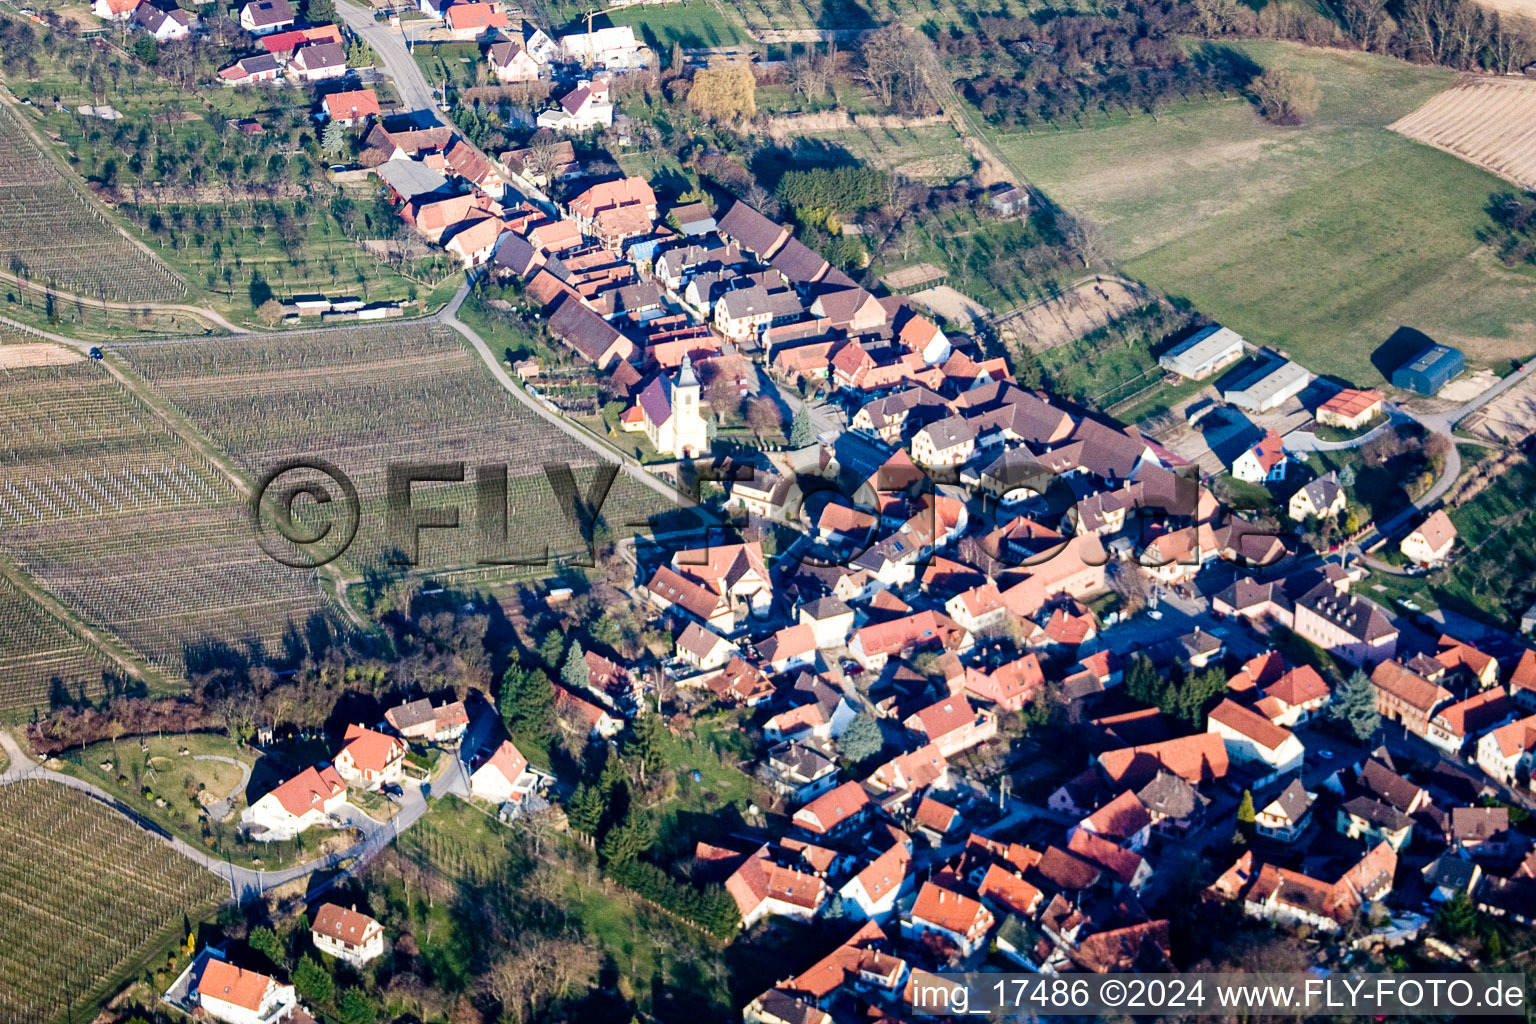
column 1429, row 371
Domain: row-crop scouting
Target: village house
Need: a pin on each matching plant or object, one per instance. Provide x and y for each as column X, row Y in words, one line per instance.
column 961, row 920
column 1346, row 626
column 352, row 107
column 834, row 810
column 239, row 996
column 1322, row 498
column 1283, row 896
column 1262, row 463
column 1285, row 817
column 263, row 17
column 318, row 61
column 370, row 759
column 952, row 725
column 501, row 775
column 799, row 771
column 582, row 109
column 829, row 619
column 872, row 893
column 346, row 934
column 1406, row 697
column 1430, row 543
column 166, row 25
column 419, row 720
column 263, row 67
column 703, row 648
column 114, row 10
column 307, row 799
column 1250, row 737
column 512, row 64
column 468, row 21
column 1509, row 751
column 1452, row 726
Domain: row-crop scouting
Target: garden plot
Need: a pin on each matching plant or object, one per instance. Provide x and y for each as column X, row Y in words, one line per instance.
column 1487, row 121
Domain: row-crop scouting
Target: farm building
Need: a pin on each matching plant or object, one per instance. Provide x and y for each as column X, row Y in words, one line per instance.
column 1350, row 408
column 1203, row 353
column 1270, row 387
column 1429, row 371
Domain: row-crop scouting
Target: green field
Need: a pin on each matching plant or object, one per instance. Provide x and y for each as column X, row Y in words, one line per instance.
column 696, row 25
column 1321, row 240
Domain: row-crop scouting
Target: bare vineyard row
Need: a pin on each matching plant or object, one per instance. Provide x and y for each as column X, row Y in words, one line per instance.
column 35, row 649
column 83, row 894
column 51, row 234
column 1489, row 122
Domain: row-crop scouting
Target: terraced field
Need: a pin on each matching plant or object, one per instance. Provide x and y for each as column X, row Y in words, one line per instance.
column 51, row 234
column 84, row 897
column 364, row 399
column 111, row 511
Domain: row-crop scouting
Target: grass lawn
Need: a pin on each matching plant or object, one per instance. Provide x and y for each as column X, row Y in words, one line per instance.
column 1322, row 240
column 697, row 25
column 1492, row 575
column 161, row 783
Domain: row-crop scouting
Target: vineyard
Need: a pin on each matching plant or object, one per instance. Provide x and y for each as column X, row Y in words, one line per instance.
column 123, row 521
column 366, row 398
column 36, row 649
column 86, row 896
column 1490, row 122
column 51, row 234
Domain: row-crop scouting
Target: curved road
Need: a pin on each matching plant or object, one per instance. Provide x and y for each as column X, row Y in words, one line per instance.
column 244, row 883
column 449, row 316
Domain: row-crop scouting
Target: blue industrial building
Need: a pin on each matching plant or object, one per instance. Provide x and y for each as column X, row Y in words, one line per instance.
column 1428, row 371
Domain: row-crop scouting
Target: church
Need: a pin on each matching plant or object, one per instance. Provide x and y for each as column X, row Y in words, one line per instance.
column 671, row 414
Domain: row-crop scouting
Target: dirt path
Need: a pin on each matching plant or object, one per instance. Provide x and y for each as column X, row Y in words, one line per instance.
column 200, row 312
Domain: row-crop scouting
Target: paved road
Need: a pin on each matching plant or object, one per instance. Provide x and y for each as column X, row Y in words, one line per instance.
column 397, row 62
column 245, row 883
column 219, row 809
column 449, row 316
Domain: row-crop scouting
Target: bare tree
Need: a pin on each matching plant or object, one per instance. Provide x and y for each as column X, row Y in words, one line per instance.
column 1084, row 239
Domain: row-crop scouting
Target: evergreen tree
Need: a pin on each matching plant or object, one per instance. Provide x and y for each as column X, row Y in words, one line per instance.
column 1355, row 704
column 265, row 941
column 334, row 138
column 1347, row 475
column 862, row 739
column 311, row 981
column 585, row 810
column 354, row 1007
column 802, row 431
column 643, row 742
column 574, row 673
column 1245, row 812
column 1142, row 682
column 528, row 703
column 1456, row 916
column 625, row 843
column 551, row 647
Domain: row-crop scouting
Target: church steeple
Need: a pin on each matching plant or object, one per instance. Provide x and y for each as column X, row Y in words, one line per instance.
column 685, row 377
